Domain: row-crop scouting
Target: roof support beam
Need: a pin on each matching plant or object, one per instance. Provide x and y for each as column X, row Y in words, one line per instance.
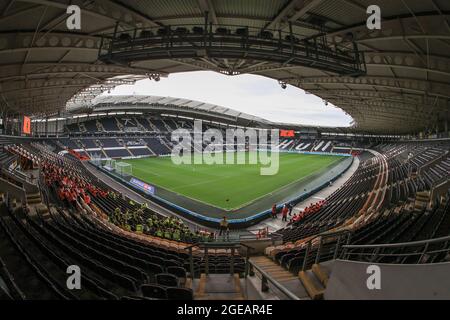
column 282, row 14
column 415, row 27
column 17, row 13
column 207, row 6
column 421, row 87
column 94, row 12
column 307, row 5
column 139, row 15
column 6, row 8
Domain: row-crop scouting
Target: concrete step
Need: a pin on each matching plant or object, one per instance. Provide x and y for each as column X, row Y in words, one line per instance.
column 33, row 201
column 33, row 198
column 280, row 275
column 321, row 274
column 312, row 285
column 218, row 287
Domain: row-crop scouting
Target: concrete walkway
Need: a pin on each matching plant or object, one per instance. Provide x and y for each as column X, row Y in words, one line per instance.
column 275, row 224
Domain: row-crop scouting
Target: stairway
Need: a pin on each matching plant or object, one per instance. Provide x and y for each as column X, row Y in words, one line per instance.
column 155, row 128
column 100, row 127
column 309, row 284
column 218, row 287
column 168, row 128
column 119, row 125
column 281, row 275
column 139, row 125
column 81, row 127
column 422, row 200
column 315, row 281
column 33, row 198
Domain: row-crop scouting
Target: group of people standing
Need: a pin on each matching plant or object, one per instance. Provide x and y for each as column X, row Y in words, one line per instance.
column 138, row 220
column 285, row 211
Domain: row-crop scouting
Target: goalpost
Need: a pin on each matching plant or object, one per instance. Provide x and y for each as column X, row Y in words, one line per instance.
column 124, row 169
column 96, row 159
column 108, row 164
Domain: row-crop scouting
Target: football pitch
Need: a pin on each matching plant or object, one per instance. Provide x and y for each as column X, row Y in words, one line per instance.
column 227, row 186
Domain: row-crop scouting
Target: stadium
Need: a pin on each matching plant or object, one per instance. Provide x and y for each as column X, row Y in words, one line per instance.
column 143, row 197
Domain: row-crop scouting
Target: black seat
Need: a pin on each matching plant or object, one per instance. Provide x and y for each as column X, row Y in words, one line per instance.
column 181, row 30
column 242, row 31
column 222, row 31
column 154, row 268
column 197, row 30
column 266, row 34
column 146, row 34
column 179, row 294
column 167, row 279
column 154, row 291
column 180, row 272
column 171, row 263
column 125, row 36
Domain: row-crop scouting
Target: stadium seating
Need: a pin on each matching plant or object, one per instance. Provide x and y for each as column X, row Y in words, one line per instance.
column 386, row 200
column 410, row 169
column 118, row 259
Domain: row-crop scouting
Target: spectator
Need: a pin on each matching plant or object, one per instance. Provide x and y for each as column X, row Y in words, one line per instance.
column 86, row 199
column 223, row 226
column 284, row 213
column 290, row 207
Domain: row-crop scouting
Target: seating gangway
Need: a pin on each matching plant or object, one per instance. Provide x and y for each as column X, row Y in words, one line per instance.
column 218, row 286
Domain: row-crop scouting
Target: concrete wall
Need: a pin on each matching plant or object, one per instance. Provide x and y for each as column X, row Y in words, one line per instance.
column 258, row 246
column 348, row 280
column 12, row 190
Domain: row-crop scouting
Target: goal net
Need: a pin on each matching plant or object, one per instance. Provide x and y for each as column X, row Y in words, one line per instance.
column 96, row 159
column 109, row 164
column 124, row 169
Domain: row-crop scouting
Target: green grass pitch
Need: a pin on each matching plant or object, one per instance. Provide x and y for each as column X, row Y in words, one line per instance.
column 227, row 186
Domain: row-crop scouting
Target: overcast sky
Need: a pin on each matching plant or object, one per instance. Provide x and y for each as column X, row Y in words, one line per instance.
column 255, row 95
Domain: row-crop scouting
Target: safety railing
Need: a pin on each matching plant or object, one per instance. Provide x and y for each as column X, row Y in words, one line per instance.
column 12, row 190
column 231, row 42
column 267, row 278
column 334, row 240
column 207, row 247
column 418, row 250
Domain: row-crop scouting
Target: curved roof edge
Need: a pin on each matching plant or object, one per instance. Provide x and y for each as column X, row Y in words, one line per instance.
column 186, row 107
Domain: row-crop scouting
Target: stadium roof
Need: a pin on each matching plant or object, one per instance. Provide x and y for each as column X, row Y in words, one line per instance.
column 158, row 105
column 179, row 106
column 406, row 88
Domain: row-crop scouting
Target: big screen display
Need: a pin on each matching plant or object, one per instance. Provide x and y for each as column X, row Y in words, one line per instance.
column 26, row 125
column 287, row 133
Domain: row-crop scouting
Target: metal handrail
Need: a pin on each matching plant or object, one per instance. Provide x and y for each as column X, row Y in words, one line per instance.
column 268, row 278
column 323, row 236
column 350, row 61
column 217, row 245
column 388, row 250
column 396, row 245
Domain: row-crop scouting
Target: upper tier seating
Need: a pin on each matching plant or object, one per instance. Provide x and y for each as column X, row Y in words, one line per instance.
column 109, row 124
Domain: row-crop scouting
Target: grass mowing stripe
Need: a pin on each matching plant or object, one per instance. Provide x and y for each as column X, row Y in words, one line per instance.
column 239, row 183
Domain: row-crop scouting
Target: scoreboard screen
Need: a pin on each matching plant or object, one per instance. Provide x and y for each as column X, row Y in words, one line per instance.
column 26, row 125
column 287, row 133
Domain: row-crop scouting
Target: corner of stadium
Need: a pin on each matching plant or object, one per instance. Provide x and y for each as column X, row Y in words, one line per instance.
column 102, row 199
